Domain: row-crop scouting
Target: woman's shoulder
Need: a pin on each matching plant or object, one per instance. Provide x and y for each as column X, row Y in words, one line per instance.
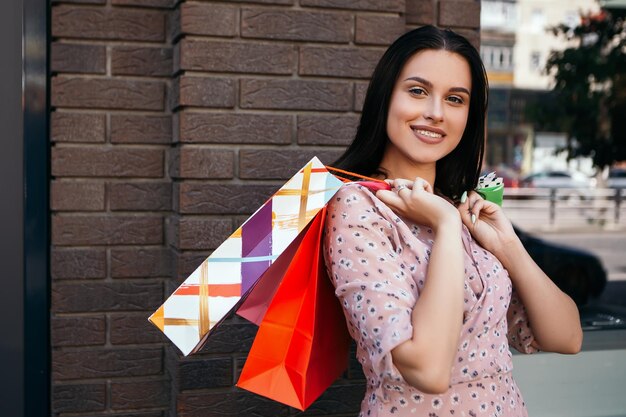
column 354, row 197
column 355, row 201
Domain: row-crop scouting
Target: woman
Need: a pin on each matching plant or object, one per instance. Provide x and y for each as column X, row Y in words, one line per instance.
column 434, row 282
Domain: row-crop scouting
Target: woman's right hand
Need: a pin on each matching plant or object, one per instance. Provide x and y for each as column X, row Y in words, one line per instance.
column 416, row 201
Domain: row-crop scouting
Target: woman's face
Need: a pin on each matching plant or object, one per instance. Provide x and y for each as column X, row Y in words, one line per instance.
column 428, row 109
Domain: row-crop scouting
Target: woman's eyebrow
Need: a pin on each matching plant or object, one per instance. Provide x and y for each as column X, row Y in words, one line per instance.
column 429, row 85
column 420, row 80
column 460, row 90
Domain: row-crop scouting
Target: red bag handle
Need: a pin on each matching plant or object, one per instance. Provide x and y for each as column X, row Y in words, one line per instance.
column 371, row 183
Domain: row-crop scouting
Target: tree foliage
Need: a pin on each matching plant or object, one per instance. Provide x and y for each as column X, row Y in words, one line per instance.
column 588, row 100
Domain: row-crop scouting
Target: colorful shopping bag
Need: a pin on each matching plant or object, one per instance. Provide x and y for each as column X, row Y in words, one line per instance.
column 220, row 283
column 302, row 343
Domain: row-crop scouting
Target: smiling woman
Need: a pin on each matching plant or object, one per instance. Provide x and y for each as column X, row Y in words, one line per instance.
column 430, row 103
column 434, row 282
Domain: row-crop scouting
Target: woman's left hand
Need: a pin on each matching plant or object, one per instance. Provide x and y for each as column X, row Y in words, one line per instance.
column 489, row 227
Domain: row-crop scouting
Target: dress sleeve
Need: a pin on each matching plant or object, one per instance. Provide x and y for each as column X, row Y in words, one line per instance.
column 362, row 248
column 520, row 334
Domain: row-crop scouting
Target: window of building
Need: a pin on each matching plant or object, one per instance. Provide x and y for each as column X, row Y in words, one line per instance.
column 537, row 21
column 535, row 61
column 497, row 57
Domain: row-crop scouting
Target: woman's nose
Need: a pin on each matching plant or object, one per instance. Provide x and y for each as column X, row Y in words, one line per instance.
column 434, row 111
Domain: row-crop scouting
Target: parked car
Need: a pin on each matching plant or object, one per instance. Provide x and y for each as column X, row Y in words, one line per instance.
column 617, row 178
column 569, row 185
column 558, row 179
column 576, row 272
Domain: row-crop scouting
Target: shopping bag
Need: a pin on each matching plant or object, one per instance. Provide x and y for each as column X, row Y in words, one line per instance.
column 256, row 303
column 259, row 298
column 302, row 343
column 227, row 276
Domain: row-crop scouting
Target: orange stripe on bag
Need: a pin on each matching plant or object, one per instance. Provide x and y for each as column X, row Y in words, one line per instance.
column 215, row 290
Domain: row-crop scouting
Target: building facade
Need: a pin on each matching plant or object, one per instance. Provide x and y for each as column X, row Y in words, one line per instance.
column 171, row 122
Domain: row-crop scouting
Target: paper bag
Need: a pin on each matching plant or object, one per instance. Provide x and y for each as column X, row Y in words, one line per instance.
column 224, row 279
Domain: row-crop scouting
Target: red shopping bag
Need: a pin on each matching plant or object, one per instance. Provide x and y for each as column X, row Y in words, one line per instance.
column 302, row 343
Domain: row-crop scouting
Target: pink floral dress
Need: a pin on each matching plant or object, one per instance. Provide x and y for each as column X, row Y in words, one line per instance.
column 378, row 262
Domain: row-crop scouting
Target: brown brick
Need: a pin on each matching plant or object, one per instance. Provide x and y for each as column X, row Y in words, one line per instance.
column 145, row 3
column 327, row 130
column 140, row 263
column 280, row 2
column 65, row 57
column 106, row 230
column 338, row 62
column 110, row 162
column 109, row 296
column 283, row 164
column 459, row 13
column 186, row 263
column 377, row 5
column 80, row 1
column 234, row 128
column 108, row 23
column 144, row 394
column 140, row 196
column 378, row 30
column 77, row 127
column 208, row 19
column 76, row 398
column 360, row 90
column 206, row 373
column 223, row 199
column 107, row 413
column 248, row 57
column 420, row 12
column 129, row 328
column 76, row 196
column 231, row 336
column 296, row 25
column 77, row 263
column 196, row 162
column 204, row 92
column 141, row 129
column 201, row 234
column 78, row 331
column 138, row 60
column 295, row 95
column 107, row 93
column 228, row 404
column 101, row 363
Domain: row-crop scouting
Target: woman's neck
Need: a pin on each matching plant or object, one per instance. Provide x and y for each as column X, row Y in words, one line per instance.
column 393, row 170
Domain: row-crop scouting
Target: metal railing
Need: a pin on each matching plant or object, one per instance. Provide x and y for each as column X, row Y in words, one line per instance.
column 563, row 208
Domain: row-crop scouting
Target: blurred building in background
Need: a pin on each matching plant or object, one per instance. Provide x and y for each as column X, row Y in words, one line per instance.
column 515, row 45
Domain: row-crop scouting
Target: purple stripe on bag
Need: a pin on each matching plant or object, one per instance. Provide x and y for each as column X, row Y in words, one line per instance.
column 256, row 240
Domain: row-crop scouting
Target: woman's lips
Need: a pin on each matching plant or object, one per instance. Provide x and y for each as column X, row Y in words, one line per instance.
column 430, row 135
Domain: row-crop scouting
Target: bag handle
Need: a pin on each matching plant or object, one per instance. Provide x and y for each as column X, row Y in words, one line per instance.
column 352, row 174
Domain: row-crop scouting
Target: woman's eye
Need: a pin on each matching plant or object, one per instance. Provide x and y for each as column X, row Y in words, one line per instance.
column 417, row 91
column 456, row 99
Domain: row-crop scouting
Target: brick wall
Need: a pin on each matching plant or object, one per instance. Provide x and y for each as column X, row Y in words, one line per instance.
column 172, row 122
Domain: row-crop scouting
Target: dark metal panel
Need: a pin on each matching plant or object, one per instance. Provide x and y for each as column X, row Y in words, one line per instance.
column 36, row 213
column 24, row 213
column 11, row 212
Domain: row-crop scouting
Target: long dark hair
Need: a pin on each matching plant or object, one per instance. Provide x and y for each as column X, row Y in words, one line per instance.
column 459, row 170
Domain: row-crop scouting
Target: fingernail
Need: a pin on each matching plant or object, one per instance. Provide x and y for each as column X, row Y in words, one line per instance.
column 473, row 218
column 463, row 197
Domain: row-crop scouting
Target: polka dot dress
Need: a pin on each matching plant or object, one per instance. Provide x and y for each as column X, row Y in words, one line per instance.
column 378, row 263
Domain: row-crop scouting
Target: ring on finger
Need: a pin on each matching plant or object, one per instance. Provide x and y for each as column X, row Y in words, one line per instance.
column 401, row 187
